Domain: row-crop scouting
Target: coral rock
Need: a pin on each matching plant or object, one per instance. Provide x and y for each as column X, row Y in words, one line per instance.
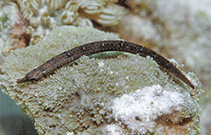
column 123, row 94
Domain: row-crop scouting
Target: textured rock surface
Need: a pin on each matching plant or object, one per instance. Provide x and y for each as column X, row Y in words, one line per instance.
column 183, row 29
column 26, row 22
column 85, row 98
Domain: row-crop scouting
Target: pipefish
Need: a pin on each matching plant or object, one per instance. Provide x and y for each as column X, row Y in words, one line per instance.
column 101, row 46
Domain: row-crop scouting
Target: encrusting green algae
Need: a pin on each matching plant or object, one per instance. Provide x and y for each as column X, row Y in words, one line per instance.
column 122, row 94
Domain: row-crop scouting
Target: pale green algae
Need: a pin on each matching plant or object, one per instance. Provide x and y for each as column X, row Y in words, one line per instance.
column 80, row 98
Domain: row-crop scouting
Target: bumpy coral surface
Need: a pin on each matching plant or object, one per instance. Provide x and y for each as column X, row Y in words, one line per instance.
column 12, row 30
column 104, row 12
column 113, row 95
column 180, row 29
column 26, row 22
column 147, row 110
column 183, row 28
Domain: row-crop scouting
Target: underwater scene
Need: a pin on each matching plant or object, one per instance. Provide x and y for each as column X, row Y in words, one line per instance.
column 105, row 67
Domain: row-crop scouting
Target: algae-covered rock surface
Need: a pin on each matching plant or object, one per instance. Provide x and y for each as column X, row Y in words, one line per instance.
column 124, row 94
